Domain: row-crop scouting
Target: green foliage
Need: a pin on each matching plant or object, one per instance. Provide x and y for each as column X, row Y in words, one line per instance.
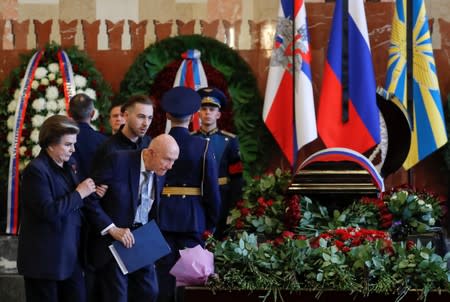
column 404, row 211
column 317, row 219
column 372, row 266
column 254, row 138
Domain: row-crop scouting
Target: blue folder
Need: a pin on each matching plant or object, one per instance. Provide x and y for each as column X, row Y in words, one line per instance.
column 148, row 247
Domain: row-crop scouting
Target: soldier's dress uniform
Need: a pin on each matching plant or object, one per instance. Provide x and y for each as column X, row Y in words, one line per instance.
column 226, row 150
column 190, row 199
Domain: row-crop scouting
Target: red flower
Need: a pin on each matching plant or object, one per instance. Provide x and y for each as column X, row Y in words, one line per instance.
column 339, row 244
column 345, row 249
column 260, row 211
column 261, row 201
column 287, row 234
column 206, row 234
column 239, row 224
column 278, row 241
column 240, row 204
column 245, row 211
column 410, row 245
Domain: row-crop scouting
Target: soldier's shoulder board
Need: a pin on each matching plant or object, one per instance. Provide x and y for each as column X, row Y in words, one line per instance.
column 229, row 134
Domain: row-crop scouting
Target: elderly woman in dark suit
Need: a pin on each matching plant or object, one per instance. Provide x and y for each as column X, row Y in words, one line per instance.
column 52, row 198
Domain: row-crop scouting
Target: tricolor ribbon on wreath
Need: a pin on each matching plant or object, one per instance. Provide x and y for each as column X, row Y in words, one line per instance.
column 190, row 74
column 12, row 217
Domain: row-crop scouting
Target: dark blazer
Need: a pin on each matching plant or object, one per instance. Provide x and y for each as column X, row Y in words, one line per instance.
column 49, row 238
column 88, row 141
column 186, row 214
column 117, row 142
column 121, row 172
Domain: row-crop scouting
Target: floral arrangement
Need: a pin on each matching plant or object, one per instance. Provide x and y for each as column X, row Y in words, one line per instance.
column 281, row 242
column 414, row 212
column 356, row 260
column 47, row 98
column 401, row 212
column 264, row 207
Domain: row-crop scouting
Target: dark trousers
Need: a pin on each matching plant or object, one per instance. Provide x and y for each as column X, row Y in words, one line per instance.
column 92, row 290
column 141, row 285
column 167, row 282
column 71, row 289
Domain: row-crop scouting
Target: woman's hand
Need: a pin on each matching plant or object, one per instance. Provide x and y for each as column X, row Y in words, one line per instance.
column 86, row 187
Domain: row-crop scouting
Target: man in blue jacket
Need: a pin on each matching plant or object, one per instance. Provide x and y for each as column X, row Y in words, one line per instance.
column 88, row 140
column 138, row 115
column 190, row 200
column 125, row 207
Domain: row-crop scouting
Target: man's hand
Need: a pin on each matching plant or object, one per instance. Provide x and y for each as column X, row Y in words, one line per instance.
column 123, row 235
column 101, row 190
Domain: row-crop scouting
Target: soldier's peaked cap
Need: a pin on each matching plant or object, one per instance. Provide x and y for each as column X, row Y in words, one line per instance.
column 212, row 97
column 180, row 101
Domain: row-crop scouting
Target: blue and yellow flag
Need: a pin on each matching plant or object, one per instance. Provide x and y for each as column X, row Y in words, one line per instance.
column 429, row 132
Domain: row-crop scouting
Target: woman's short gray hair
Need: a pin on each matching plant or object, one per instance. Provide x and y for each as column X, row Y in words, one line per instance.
column 54, row 128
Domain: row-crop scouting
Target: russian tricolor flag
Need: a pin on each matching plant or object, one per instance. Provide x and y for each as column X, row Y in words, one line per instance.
column 289, row 102
column 348, row 114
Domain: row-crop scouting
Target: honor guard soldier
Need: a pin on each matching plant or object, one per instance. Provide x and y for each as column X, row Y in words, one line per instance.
column 226, row 150
column 190, row 199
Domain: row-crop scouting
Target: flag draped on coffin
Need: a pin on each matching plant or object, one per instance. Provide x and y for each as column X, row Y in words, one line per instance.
column 429, row 132
column 348, row 114
column 289, row 103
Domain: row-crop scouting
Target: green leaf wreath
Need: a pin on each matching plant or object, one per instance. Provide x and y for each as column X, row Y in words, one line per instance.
column 255, row 141
column 46, row 98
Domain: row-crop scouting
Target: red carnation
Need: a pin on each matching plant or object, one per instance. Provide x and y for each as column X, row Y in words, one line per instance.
column 240, row 204
column 245, row 211
column 410, row 245
column 206, row 234
column 239, row 224
column 287, row 234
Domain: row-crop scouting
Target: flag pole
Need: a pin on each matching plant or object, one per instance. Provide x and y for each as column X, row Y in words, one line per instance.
column 409, row 72
column 345, row 94
column 294, row 68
